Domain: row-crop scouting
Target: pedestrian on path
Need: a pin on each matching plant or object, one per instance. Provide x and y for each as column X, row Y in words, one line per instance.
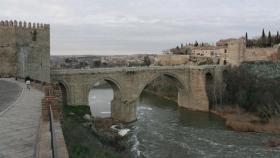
column 28, row 84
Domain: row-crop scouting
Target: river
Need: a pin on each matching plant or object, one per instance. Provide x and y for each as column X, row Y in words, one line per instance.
column 163, row 130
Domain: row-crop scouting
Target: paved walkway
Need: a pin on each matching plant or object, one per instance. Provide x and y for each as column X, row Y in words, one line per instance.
column 9, row 92
column 19, row 124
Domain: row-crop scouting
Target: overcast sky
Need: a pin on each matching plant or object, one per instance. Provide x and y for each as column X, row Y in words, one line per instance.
column 106, row 27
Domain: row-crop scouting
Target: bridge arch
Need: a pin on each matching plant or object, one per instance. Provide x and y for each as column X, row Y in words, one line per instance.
column 210, row 89
column 116, row 95
column 112, row 82
column 64, row 92
column 209, row 77
column 182, row 89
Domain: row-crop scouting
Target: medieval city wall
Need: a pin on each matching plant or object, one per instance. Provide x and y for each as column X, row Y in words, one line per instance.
column 168, row 59
column 238, row 53
column 264, row 54
column 8, row 55
column 29, row 51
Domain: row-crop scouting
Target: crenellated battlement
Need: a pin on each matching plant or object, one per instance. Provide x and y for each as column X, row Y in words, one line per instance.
column 23, row 24
column 25, row 50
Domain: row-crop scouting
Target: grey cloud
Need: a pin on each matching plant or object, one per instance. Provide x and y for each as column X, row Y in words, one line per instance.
column 146, row 26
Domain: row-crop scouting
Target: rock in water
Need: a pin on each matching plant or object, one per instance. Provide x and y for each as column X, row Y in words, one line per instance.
column 123, row 132
column 87, row 117
column 272, row 142
column 71, row 113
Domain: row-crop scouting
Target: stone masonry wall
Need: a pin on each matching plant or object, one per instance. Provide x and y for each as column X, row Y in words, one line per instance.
column 238, row 53
column 168, row 59
column 8, row 55
column 236, row 50
column 255, row 54
column 25, row 50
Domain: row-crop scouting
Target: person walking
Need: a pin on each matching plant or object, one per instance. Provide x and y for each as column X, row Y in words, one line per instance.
column 28, row 84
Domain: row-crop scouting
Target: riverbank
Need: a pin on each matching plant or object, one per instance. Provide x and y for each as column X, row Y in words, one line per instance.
column 253, row 87
column 239, row 120
column 80, row 140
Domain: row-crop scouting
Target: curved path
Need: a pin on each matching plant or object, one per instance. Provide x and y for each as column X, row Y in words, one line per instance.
column 19, row 122
column 9, row 92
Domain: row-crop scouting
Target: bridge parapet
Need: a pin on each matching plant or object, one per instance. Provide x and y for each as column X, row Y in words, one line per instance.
column 131, row 69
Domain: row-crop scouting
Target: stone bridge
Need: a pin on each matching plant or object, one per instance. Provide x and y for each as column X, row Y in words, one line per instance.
column 129, row 82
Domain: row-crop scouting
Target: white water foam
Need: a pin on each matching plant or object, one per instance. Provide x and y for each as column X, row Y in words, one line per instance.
column 135, row 147
column 145, row 108
column 105, row 112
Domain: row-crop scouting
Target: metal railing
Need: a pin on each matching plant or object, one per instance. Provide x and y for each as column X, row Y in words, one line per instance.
column 53, row 134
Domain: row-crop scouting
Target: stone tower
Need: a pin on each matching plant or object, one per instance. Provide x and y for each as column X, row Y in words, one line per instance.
column 25, row 50
column 236, row 50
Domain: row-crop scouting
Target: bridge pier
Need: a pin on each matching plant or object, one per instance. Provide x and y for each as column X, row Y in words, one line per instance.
column 183, row 99
column 124, row 111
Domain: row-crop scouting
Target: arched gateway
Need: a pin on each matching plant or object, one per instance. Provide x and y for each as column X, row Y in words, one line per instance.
column 128, row 83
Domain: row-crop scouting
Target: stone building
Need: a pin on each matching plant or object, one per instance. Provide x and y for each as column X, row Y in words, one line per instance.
column 226, row 52
column 217, row 53
column 25, row 50
column 234, row 52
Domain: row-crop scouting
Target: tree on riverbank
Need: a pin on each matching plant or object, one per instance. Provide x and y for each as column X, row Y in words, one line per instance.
column 255, row 88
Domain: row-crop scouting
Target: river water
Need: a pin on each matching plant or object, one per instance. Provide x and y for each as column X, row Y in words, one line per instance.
column 163, row 130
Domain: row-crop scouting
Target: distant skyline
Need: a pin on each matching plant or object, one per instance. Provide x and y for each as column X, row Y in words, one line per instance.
column 110, row 27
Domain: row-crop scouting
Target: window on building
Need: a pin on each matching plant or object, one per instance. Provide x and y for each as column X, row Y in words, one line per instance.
column 212, row 53
column 225, row 50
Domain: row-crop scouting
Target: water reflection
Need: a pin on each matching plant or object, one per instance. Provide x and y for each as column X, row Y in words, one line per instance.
column 199, row 119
